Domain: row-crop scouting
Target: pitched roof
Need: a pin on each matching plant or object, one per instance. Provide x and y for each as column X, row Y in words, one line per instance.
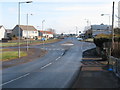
column 46, row 32
column 25, row 27
column 8, row 30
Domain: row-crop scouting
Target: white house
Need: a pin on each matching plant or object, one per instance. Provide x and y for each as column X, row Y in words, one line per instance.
column 26, row 31
column 46, row 34
column 2, row 32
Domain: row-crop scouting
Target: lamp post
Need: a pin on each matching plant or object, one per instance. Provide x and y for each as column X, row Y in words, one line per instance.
column 109, row 18
column 27, row 31
column 108, row 49
column 76, row 31
column 88, row 22
column 43, row 30
column 19, row 25
column 42, row 24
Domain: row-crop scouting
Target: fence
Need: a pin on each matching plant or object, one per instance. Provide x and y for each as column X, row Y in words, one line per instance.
column 115, row 62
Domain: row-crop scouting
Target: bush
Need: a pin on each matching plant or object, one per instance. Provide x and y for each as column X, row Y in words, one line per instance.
column 99, row 41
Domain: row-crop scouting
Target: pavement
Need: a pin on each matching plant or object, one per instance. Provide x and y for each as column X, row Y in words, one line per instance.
column 94, row 74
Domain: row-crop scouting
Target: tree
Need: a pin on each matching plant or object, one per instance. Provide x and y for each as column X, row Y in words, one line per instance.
column 51, row 30
column 117, row 30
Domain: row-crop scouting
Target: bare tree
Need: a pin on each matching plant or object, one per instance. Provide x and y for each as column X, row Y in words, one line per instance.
column 51, row 30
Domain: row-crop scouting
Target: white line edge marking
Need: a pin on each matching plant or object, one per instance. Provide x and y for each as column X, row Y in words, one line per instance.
column 14, row 79
column 45, row 66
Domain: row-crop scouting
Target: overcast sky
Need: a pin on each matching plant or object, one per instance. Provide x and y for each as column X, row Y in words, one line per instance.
column 61, row 15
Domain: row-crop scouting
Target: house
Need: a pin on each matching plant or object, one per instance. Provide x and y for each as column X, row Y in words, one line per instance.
column 9, row 33
column 26, row 31
column 46, row 34
column 2, row 32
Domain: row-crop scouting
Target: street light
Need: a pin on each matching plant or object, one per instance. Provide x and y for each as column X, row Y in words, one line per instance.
column 27, row 31
column 109, row 49
column 19, row 24
column 109, row 18
column 43, row 30
column 76, row 31
column 88, row 22
column 42, row 24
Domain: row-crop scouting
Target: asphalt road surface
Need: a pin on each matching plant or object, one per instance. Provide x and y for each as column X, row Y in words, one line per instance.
column 57, row 69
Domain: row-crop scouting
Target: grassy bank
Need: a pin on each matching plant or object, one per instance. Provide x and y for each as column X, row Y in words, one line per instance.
column 11, row 44
column 8, row 55
column 30, row 42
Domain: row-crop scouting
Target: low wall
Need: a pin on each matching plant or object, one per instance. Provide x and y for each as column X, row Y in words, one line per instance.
column 115, row 62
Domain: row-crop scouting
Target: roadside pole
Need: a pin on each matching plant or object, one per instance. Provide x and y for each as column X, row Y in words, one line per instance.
column 112, row 44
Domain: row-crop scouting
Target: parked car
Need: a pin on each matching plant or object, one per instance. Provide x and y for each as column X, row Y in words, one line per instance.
column 79, row 39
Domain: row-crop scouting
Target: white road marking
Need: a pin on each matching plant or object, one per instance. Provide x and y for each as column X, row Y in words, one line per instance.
column 52, row 49
column 46, row 66
column 58, row 58
column 68, row 44
column 62, row 54
column 14, row 79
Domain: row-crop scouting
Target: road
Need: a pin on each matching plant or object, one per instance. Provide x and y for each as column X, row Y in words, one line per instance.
column 57, row 69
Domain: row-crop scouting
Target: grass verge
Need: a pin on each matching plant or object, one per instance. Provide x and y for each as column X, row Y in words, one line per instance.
column 11, row 44
column 30, row 42
column 8, row 55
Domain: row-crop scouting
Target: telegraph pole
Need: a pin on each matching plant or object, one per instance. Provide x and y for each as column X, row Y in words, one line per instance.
column 113, row 34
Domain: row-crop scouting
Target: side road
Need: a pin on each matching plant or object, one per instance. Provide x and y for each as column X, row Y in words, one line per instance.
column 93, row 73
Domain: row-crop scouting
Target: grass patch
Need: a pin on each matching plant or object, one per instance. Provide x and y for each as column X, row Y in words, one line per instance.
column 29, row 42
column 8, row 55
column 11, row 44
column 89, row 40
column 51, row 40
column 2, row 50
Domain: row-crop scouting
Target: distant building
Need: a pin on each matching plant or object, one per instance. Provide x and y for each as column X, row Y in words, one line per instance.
column 119, row 14
column 46, row 34
column 100, row 29
column 97, row 29
column 2, row 32
column 25, row 31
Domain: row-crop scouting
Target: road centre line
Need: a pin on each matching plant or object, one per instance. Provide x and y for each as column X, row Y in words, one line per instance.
column 61, row 54
column 46, row 66
column 14, row 79
column 58, row 58
column 28, row 73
